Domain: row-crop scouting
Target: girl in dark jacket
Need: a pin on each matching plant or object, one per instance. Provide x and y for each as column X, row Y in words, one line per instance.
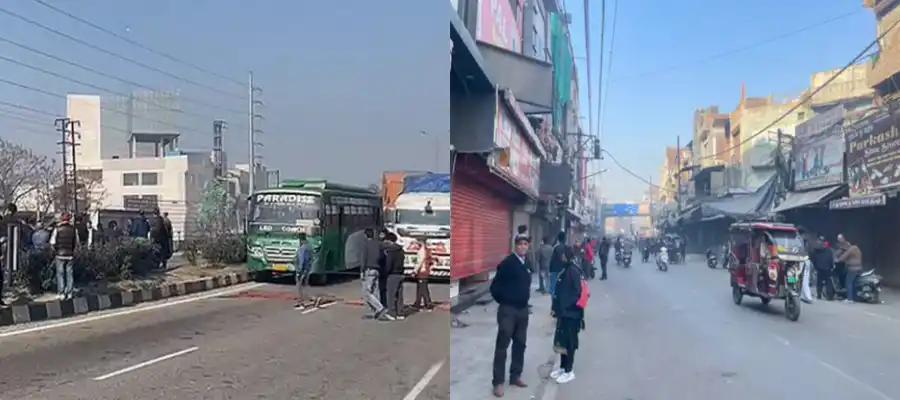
column 569, row 317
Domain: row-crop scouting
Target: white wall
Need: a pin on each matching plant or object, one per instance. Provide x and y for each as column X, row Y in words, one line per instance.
column 86, row 109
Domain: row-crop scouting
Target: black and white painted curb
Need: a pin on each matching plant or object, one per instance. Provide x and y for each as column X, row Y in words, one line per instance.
column 42, row 311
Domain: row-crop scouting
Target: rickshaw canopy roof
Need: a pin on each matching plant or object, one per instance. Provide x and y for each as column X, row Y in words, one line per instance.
column 766, row 226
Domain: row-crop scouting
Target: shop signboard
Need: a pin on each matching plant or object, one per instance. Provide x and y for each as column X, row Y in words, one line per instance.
column 872, row 200
column 522, row 164
column 873, row 160
column 819, row 150
column 497, row 25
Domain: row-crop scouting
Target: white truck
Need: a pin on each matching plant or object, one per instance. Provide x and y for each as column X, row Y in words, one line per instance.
column 422, row 210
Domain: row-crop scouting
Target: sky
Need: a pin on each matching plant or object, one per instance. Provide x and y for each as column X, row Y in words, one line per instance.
column 350, row 88
column 645, row 114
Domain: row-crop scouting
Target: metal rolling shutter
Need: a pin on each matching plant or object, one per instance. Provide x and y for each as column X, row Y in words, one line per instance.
column 480, row 227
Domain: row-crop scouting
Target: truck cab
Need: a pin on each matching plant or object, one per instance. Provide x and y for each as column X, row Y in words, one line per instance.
column 423, row 215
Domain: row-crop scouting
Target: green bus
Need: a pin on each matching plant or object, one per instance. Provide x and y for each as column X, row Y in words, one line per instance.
column 327, row 212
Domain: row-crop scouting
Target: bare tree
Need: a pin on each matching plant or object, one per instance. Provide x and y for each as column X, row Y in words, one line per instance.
column 52, row 193
column 21, row 171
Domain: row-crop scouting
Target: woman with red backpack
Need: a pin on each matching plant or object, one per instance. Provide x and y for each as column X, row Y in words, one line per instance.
column 569, row 301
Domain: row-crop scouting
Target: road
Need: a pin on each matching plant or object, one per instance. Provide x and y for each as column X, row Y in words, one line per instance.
column 238, row 343
column 652, row 335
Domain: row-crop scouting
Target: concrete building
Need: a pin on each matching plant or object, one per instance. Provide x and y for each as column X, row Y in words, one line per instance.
column 139, row 166
column 708, row 135
column 758, row 149
column 886, row 64
column 850, row 88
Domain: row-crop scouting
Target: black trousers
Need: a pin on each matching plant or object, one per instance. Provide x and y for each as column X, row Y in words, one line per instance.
column 423, row 293
column 823, row 282
column 567, row 361
column 512, row 326
column 603, row 261
column 382, row 289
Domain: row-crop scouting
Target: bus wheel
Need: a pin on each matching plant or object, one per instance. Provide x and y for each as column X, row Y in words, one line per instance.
column 318, row 279
column 262, row 276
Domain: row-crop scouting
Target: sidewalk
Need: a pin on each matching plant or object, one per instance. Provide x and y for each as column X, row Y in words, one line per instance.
column 473, row 352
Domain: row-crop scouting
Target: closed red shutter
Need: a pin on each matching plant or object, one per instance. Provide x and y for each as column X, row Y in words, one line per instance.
column 480, row 225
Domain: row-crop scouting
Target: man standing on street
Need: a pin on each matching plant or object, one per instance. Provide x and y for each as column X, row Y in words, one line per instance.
column 511, row 289
column 851, row 256
column 65, row 240
column 393, row 270
column 369, row 261
column 544, row 254
column 603, row 253
column 556, row 261
column 822, row 258
column 301, row 271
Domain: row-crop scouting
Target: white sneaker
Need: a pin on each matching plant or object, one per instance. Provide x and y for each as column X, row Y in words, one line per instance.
column 556, row 373
column 565, row 377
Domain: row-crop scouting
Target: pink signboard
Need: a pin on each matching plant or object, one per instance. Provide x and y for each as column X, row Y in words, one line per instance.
column 524, row 163
column 497, row 25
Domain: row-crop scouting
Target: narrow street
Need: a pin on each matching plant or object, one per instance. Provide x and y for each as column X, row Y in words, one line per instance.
column 244, row 342
column 677, row 335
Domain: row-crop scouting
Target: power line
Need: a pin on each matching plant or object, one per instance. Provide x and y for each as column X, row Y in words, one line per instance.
column 587, row 50
column 738, row 50
column 114, row 54
column 627, row 171
column 137, row 44
column 808, row 97
column 34, row 120
column 612, row 46
column 600, row 73
column 110, row 76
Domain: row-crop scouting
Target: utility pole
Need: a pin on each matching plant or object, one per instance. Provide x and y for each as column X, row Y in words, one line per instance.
column 218, row 154
column 678, row 173
column 66, row 128
column 253, row 102
column 563, row 205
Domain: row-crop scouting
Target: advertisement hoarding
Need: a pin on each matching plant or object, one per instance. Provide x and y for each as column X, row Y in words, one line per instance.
column 819, row 150
column 872, row 145
column 523, row 164
column 497, row 25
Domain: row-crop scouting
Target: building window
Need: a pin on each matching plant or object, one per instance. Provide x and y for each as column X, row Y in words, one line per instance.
column 801, row 115
column 130, row 179
column 149, row 178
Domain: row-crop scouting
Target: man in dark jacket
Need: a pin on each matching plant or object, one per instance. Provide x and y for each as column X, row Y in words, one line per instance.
column 557, row 262
column 140, row 226
column 822, row 258
column 511, row 289
column 393, row 269
column 370, row 258
column 159, row 233
column 603, row 253
column 64, row 241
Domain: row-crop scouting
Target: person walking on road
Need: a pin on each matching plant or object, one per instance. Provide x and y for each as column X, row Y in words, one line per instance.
column 370, row 255
column 393, row 269
column 588, row 259
column 65, row 240
column 603, row 253
column 543, row 255
column 569, row 318
column 422, row 273
column 822, row 258
column 852, row 257
column 301, row 272
column 556, row 261
column 511, row 289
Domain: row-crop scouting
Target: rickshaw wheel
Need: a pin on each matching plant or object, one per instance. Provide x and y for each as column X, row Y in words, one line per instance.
column 765, row 300
column 792, row 308
column 737, row 294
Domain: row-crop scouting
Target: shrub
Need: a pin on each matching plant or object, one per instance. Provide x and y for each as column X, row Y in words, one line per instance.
column 216, row 250
column 109, row 262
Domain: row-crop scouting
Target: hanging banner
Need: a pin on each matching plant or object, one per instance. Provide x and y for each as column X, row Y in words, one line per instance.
column 873, row 161
column 819, row 150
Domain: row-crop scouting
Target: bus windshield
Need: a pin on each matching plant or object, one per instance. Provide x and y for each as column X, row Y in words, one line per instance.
column 420, row 217
column 285, row 208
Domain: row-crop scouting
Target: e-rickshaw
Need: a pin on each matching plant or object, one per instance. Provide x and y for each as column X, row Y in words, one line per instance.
column 767, row 262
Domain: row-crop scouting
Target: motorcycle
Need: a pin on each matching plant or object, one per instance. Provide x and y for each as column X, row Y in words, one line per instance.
column 662, row 259
column 711, row 260
column 626, row 259
column 618, row 257
column 867, row 287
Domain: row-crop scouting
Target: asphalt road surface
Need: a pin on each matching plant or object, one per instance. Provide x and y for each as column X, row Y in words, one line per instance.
column 655, row 335
column 241, row 343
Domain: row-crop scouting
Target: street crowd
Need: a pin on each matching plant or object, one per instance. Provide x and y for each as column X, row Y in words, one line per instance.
column 64, row 234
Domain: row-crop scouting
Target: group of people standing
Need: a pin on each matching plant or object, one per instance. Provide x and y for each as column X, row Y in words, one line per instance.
column 381, row 263
column 562, row 265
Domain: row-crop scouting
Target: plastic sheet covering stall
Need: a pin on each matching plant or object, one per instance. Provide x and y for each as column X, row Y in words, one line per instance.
column 427, row 183
column 807, row 198
column 754, row 205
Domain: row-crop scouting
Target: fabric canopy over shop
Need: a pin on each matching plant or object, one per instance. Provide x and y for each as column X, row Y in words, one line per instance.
column 754, row 205
column 807, row 198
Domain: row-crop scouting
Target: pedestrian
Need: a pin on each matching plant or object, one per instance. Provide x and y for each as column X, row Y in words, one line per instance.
column 852, row 258
column 40, row 238
column 822, row 258
column 603, row 254
column 544, row 254
column 65, row 240
column 394, row 270
column 161, row 237
column 168, row 224
column 301, row 271
column 370, row 256
column 140, row 226
column 588, row 258
column 421, row 274
column 511, row 289
column 569, row 314
column 556, row 260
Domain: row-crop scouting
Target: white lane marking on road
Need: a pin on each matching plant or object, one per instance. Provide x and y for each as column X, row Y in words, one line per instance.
column 836, row 370
column 879, row 316
column 423, row 383
column 127, row 311
column 312, row 310
column 146, row 363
